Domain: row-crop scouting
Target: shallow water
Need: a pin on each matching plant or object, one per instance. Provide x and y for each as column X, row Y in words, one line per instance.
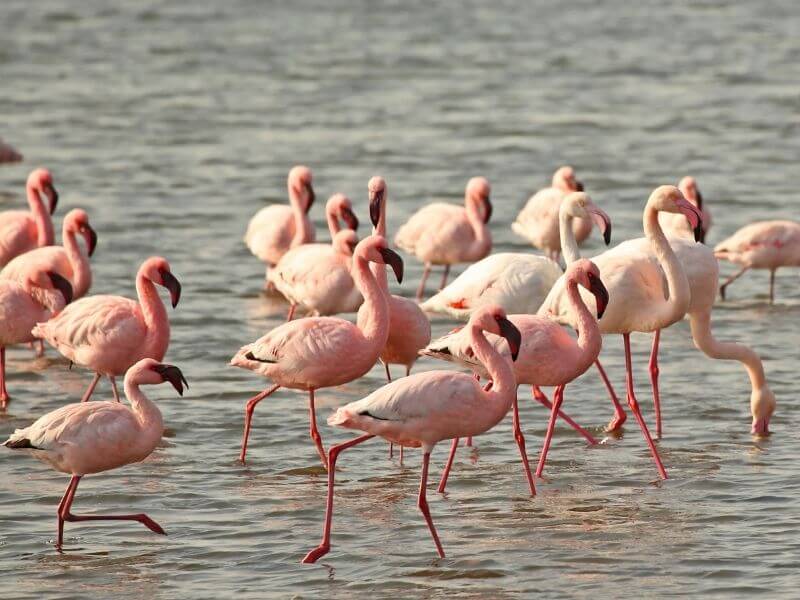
column 173, row 122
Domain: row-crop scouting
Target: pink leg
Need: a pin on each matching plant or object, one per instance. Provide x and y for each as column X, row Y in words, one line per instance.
column 389, row 379
column 619, row 413
column 3, row 390
column 541, row 398
column 654, row 381
column 422, row 503
column 772, row 286
column 730, row 280
column 290, row 314
column 312, row 413
column 39, row 348
column 448, row 466
column 421, row 288
column 248, row 416
column 401, row 455
column 64, row 514
column 468, row 443
column 521, row 445
column 325, row 545
column 88, row 393
column 444, row 277
column 558, row 398
column 634, row 404
column 114, row 387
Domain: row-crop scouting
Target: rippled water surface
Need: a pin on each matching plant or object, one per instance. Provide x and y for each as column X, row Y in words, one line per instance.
column 173, row 122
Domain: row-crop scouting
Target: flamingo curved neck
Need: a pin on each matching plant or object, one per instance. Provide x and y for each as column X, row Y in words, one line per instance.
column 302, row 226
column 334, row 226
column 379, row 270
column 677, row 282
column 589, row 337
column 483, row 237
column 44, row 224
column 155, row 317
column 569, row 245
column 504, row 383
column 81, row 271
column 146, row 411
column 373, row 317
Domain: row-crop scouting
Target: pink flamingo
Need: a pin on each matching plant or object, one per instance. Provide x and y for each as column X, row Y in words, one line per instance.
column 317, row 276
column 638, row 301
column 423, row 409
column 538, row 221
column 22, row 230
column 318, row 352
column 276, row 228
column 36, row 297
column 548, row 356
column 109, row 334
column 67, row 260
column 84, row 438
column 8, row 154
column 516, row 281
column 761, row 245
column 445, row 234
column 676, row 225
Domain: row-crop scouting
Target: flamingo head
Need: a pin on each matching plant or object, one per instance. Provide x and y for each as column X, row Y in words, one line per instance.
column 579, row 205
column 376, row 249
column 41, row 278
column 41, row 179
column 478, row 193
column 345, row 242
column 150, row 371
column 564, row 179
column 762, row 405
column 77, row 221
column 585, row 273
column 493, row 319
column 668, row 198
column 688, row 186
column 377, row 199
column 340, row 207
column 157, row 270
column 300, row 188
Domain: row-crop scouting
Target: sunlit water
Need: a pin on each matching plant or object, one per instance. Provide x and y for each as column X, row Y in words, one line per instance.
column 173, row 122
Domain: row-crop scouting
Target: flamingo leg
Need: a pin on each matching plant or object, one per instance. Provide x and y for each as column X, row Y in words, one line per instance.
column 448, row 466
column 654, row 371
column 421, row 289
column 88, row 393
column 248, row 416
column 3, row 390
column 408, row 370
column 422, row 503
column 64, row 513
column 389, row 379
column 520, row 439
column 771, row 286
column 541, row 398
column 634, row 404
column 325, row 545
column 558, row 398
column 39, row 348
column 444, row 277
column 619, row 413
column 312, row 413
column 114, row 387
column 730, row 280
column 290, row 314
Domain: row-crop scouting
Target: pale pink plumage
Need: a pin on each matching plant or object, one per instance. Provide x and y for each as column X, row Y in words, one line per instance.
column 22, row 230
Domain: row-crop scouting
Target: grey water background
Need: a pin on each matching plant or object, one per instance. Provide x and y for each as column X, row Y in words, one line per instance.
column 173, row 122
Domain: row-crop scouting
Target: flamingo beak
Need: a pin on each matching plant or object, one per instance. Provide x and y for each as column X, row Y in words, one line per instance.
column 488, row 206
column 62, row 285
column 172, row 374
column 172, row 284
column 699, row 198
column 311, row 196
column 509, row 331
column 603, row 222
column 392, row 258
column 352, row 245
column 600, row 294
column 350, row 218
column 90, row 235
column 760, row 426
column 52, row 194
column 375, row 202
column 579, row 188
column 693, row 216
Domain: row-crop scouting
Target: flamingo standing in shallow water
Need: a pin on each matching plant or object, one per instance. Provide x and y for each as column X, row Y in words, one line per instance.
column 317, row 276
column 84, row 438
column 276, row 228
column 762, row 245
column 445, row 234
column 109, row 334
column 423, row 409
column 676, row 225
column 318, row 352
column 37, row 297
column 22, row 230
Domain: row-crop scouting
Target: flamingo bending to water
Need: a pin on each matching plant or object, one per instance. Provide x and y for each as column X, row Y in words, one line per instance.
column 84, row 438
column 22, row 230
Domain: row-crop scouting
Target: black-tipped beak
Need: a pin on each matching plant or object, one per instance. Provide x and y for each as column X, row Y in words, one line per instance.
column 62, row 285
column 600, row 294
column 514, row 338
column 53, row 199
column 578, row 186
column 350, row 218
column 392, row 258
column 699, row 198
column 172, row 374
column 699, row 234
column 90, row 235
column 603, row 223
column 488, row 208
column 172, row 284
column 311, row 196
column 375, row 208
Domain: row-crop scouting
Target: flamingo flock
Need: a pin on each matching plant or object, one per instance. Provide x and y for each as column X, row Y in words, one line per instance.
column 528, row 321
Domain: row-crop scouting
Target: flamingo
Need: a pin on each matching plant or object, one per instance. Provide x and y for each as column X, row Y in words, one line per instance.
column 516, row 281
column 636, row 286
column 425, row 408
column 318, row 352
column 84, row 438
column 548, row 356
column 8, row 154
column 317, row 276
column 538, row 221
column 761, row 245
column 21, row 230
column 36, row 297
column 67, row 260
column 109, row 334
column 445, row 234
column 276, row 228
column 676, row 225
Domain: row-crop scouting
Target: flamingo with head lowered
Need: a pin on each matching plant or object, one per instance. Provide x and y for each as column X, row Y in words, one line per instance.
column 20, row 230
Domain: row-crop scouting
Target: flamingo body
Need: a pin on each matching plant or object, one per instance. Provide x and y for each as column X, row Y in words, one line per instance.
column 21, row 231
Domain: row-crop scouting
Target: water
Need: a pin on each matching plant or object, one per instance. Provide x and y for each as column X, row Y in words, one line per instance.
column 173, row 122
